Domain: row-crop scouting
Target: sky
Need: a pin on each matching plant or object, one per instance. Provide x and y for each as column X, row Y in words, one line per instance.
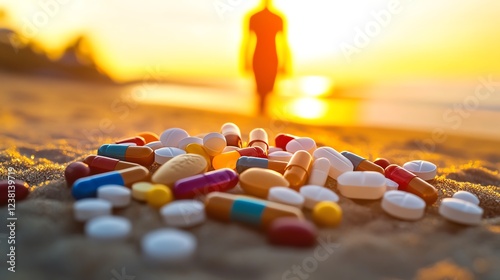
column 350, row 40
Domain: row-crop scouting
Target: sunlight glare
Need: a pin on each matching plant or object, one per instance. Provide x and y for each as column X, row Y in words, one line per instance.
column 308, row 108
column 314, row 85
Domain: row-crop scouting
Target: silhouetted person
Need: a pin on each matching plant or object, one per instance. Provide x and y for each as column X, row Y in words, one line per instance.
column 267, row 40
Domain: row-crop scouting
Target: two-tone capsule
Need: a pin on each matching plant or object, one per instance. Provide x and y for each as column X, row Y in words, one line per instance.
column 411, row 183
column 87, row 186
column 232, row 134
column 252, row 211
column 258, row 138
column 220, row 180
column 142, row 155
column 297, row 170
column 101, row 164
column 229, row 159
column 362, row 164
column 245, row 163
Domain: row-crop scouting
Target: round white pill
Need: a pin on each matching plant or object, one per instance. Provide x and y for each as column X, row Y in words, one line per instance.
column 461, row 211
column 89, row 208
column 423, row 169
column 302, row 143
column 183, row 213
column 403, row 205
column 467, row 196
column 280, row 155
column 118, row 196
column 390, row 185
column 189, row 140
column 168, row 245
column 155, row 145
column 319, row 172
column 214, row 143
column 140, row 189
column 315, row 194
column 108, row 228
column 273, row 149
column 165, row 154
column 172, row 136
column 338, row 163
column 361, row 184
column 286, row 196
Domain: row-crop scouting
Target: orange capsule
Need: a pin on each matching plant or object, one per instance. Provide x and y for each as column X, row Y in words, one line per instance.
column 139, row 141
column 142, row 155
column 149, row 136
column 297, row 170
column 362, row 164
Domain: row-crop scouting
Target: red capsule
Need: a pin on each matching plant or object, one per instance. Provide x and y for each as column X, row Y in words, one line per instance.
column 220, row 180
column 288, row 231
column 75, row 171
column 382, row 162
column 16, row 190
column 282, row 139
column 101, row 164
column 411, row 183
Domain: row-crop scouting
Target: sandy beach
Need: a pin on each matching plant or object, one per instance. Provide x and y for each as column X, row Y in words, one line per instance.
column 47, row 124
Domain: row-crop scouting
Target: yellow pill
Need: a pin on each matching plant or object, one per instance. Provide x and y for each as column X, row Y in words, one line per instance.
column 159, row 195
column 327, row 214
column 140, row 189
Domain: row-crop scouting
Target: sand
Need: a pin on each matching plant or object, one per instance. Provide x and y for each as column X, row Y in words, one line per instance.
column 46, row 124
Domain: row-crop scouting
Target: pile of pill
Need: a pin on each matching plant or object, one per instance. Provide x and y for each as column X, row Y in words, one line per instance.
column 218, row 175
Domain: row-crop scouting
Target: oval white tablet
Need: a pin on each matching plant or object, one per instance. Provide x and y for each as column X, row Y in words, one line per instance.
column 118, row 196
column 88, row 208
column 403, row 205
column 108, row 228
column 467, row 196
column 361, row 184
column 319, row 172
column 172, row 136
column 302, row 143
column 163, row 155
column 315, row 194
column 390, row 185
column 214, row 143
column 183, row 213
column 189, row 140
column 155, row 145
column 286, row 196
column 424, row 169
column 168, row 245
column 280, row 155
column 461, row 211
column 338, row 163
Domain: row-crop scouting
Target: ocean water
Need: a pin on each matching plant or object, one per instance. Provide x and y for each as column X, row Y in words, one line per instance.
column 469, row 107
